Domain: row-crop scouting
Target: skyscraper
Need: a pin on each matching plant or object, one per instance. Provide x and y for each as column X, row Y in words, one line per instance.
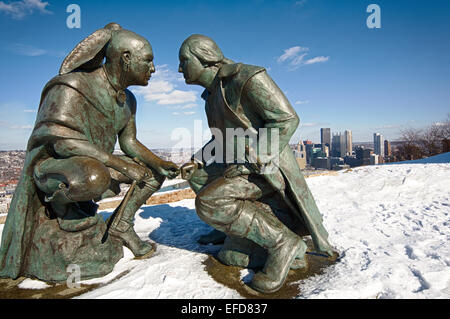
column 300, row 154
column 348, row 142
column 387, row 148
column 325, row 136
column 338, row 145
column 378, row 144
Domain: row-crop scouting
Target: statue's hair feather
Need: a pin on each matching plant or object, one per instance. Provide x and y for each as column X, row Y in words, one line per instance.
column 89, row 53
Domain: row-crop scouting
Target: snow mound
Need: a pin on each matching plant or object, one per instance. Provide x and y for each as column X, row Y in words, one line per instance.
column 176, row 269
column 390, row 223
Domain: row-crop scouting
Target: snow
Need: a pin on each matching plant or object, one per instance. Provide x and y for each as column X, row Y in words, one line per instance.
column 33, row 284
column 176, row 269
column 390, row 223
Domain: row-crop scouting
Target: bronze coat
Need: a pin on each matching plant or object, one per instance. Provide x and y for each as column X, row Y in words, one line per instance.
column 255, row 101
column 59, row 117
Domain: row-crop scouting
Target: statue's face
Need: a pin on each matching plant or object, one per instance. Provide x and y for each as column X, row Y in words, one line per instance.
column 190, row 66
column 141, row 65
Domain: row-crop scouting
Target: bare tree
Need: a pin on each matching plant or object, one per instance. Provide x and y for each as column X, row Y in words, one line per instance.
column 411, row 146
column 445, row 134
column 431, row 140
column 417, row 144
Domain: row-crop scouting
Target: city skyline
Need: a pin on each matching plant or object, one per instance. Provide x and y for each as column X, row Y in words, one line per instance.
column 334, row 70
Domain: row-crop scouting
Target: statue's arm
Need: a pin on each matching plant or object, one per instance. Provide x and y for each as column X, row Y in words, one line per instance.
column 60, row 113
column 268, row 101
column 72, row 147
column 131, row 146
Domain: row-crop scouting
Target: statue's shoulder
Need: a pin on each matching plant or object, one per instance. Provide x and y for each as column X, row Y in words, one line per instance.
column 239, row 71
column 235, row 77
column 73, row 80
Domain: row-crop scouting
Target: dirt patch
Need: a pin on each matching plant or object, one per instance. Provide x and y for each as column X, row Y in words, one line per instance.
column 157, row 199
column 230, row 276
column 9, row 289
column 329, row 173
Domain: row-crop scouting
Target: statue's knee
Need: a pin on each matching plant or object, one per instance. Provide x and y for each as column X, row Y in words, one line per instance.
column 203, row 208
column 80, row 178
column 213, row 207
column 93, row 182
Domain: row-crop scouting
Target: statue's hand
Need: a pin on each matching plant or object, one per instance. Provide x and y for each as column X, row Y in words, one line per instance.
column 188, row 169
column 137, row 172
column 169, row 169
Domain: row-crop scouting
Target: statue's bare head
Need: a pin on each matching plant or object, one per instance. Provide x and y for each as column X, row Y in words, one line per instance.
column 200, row 58
column 202, row 47
column 130, row 57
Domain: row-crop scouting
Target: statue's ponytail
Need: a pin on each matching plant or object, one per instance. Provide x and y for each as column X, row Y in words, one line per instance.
column 89, row 53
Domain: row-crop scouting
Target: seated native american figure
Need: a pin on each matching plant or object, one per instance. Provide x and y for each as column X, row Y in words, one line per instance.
column 53, row 220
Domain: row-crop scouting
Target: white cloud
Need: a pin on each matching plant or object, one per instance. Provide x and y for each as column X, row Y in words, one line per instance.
column 296, row 55
column 302, row 102
column 291, row 53
column 189, row 106
column 22, row 127
column 300, row 3
column 173, row 97
column 388, row 126
column 20, row 9
column 298, row 59
column 183, row 113
column 12, row 126
column 30, row 111
column 309, row 124
column 161, row 89
column 318, row 59
column 28, row 50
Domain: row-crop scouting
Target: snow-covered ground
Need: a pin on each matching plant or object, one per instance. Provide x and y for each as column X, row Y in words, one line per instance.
column 391, row 224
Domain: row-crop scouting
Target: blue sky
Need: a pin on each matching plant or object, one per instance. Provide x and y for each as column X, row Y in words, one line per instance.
column 335, row 71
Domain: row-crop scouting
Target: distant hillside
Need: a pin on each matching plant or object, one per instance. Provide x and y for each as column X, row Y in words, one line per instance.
column 441, row 158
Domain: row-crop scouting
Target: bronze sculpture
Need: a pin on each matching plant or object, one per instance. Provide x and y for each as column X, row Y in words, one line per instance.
column 70, row 164
column 262, row 214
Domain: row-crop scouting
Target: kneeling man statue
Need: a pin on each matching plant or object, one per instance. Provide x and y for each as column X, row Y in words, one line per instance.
column 262, row 206
column 53, row 221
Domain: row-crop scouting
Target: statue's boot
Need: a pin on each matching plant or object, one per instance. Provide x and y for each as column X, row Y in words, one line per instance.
column 215, row 237
column 124, row 229
column 244, row 253
column 282, row 245
column 72, row 216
